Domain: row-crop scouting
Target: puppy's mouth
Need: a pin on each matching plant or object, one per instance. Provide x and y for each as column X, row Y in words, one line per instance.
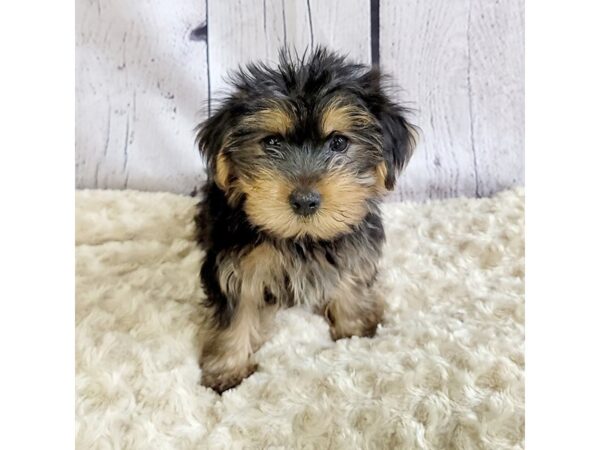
column 306, row 213
column 322, row 210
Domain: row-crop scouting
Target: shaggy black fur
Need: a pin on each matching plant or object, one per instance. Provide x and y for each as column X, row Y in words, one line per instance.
column 305, row 82
column 303, row 89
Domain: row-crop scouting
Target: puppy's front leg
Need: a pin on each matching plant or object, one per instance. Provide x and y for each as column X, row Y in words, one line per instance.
column 355, row 309
column 227, row 349
column 242, row 311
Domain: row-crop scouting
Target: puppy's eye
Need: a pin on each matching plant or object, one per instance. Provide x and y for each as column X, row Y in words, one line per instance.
column 338, row 143
column 272, row 141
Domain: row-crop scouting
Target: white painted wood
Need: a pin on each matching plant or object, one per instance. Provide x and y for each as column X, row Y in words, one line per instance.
column 140, row 89
column 241, row 31
column 143, row 84
column 460, row 64
column 497, row 93
column 424, row 46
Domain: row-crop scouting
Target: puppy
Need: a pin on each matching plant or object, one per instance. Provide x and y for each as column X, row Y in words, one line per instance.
column 298, row 160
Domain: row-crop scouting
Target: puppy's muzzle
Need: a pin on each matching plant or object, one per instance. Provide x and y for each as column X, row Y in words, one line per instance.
column 305, row 202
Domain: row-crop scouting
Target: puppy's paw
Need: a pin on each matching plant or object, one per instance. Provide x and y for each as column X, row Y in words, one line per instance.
column 224, row 380
column 345, row 327
column 367, row 331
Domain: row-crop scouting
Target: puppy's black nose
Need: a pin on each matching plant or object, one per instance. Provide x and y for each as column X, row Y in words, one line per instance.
column 305, row 202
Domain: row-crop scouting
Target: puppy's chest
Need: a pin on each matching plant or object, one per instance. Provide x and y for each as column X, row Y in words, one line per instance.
column 289, row 275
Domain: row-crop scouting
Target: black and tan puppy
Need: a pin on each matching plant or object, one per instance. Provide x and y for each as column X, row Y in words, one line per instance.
column 299, row 158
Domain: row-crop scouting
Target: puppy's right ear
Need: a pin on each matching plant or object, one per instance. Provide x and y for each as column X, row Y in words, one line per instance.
column 211, row 136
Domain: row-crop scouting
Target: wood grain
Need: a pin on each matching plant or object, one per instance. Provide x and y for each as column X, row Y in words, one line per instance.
column 145, row 72
column 496, row 84
column 424, row 46
column 460, row 65
column 140, row 89
column 241, row 31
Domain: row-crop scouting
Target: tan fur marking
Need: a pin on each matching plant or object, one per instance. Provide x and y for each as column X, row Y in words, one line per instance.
column 222, row 171
column 343, row 118
column 343, row 197
column 267, row 202
column 273, row 120
column 381, row 174
column 227, row 353
column 261, row 264
column 354, row 310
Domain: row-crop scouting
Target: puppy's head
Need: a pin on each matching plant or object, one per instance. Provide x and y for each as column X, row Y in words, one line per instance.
column 307, row 148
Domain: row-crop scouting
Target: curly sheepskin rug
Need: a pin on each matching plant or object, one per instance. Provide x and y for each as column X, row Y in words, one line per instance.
column 444, row 371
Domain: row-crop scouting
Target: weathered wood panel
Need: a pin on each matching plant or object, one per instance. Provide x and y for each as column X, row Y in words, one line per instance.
column 140, row 89
column 145, row 71
column 496, row 43
column 246, row 30
column 424, row 45
column 460, row 64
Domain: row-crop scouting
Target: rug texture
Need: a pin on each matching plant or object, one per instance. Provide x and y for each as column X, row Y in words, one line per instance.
column 444, row 371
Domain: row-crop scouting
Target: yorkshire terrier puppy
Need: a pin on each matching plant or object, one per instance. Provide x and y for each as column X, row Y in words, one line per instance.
column 298, row 160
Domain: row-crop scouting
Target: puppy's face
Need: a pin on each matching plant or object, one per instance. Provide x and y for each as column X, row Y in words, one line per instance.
column 306, row 149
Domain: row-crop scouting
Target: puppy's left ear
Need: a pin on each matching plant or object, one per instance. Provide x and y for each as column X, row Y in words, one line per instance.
column 399, row 136
column 399, row 140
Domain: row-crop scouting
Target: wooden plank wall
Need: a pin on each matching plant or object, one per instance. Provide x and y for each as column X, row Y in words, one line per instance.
column 141, row 84
column 147, row 73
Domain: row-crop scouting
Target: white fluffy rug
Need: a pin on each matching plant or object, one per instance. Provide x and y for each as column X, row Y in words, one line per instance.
column 445, row 371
